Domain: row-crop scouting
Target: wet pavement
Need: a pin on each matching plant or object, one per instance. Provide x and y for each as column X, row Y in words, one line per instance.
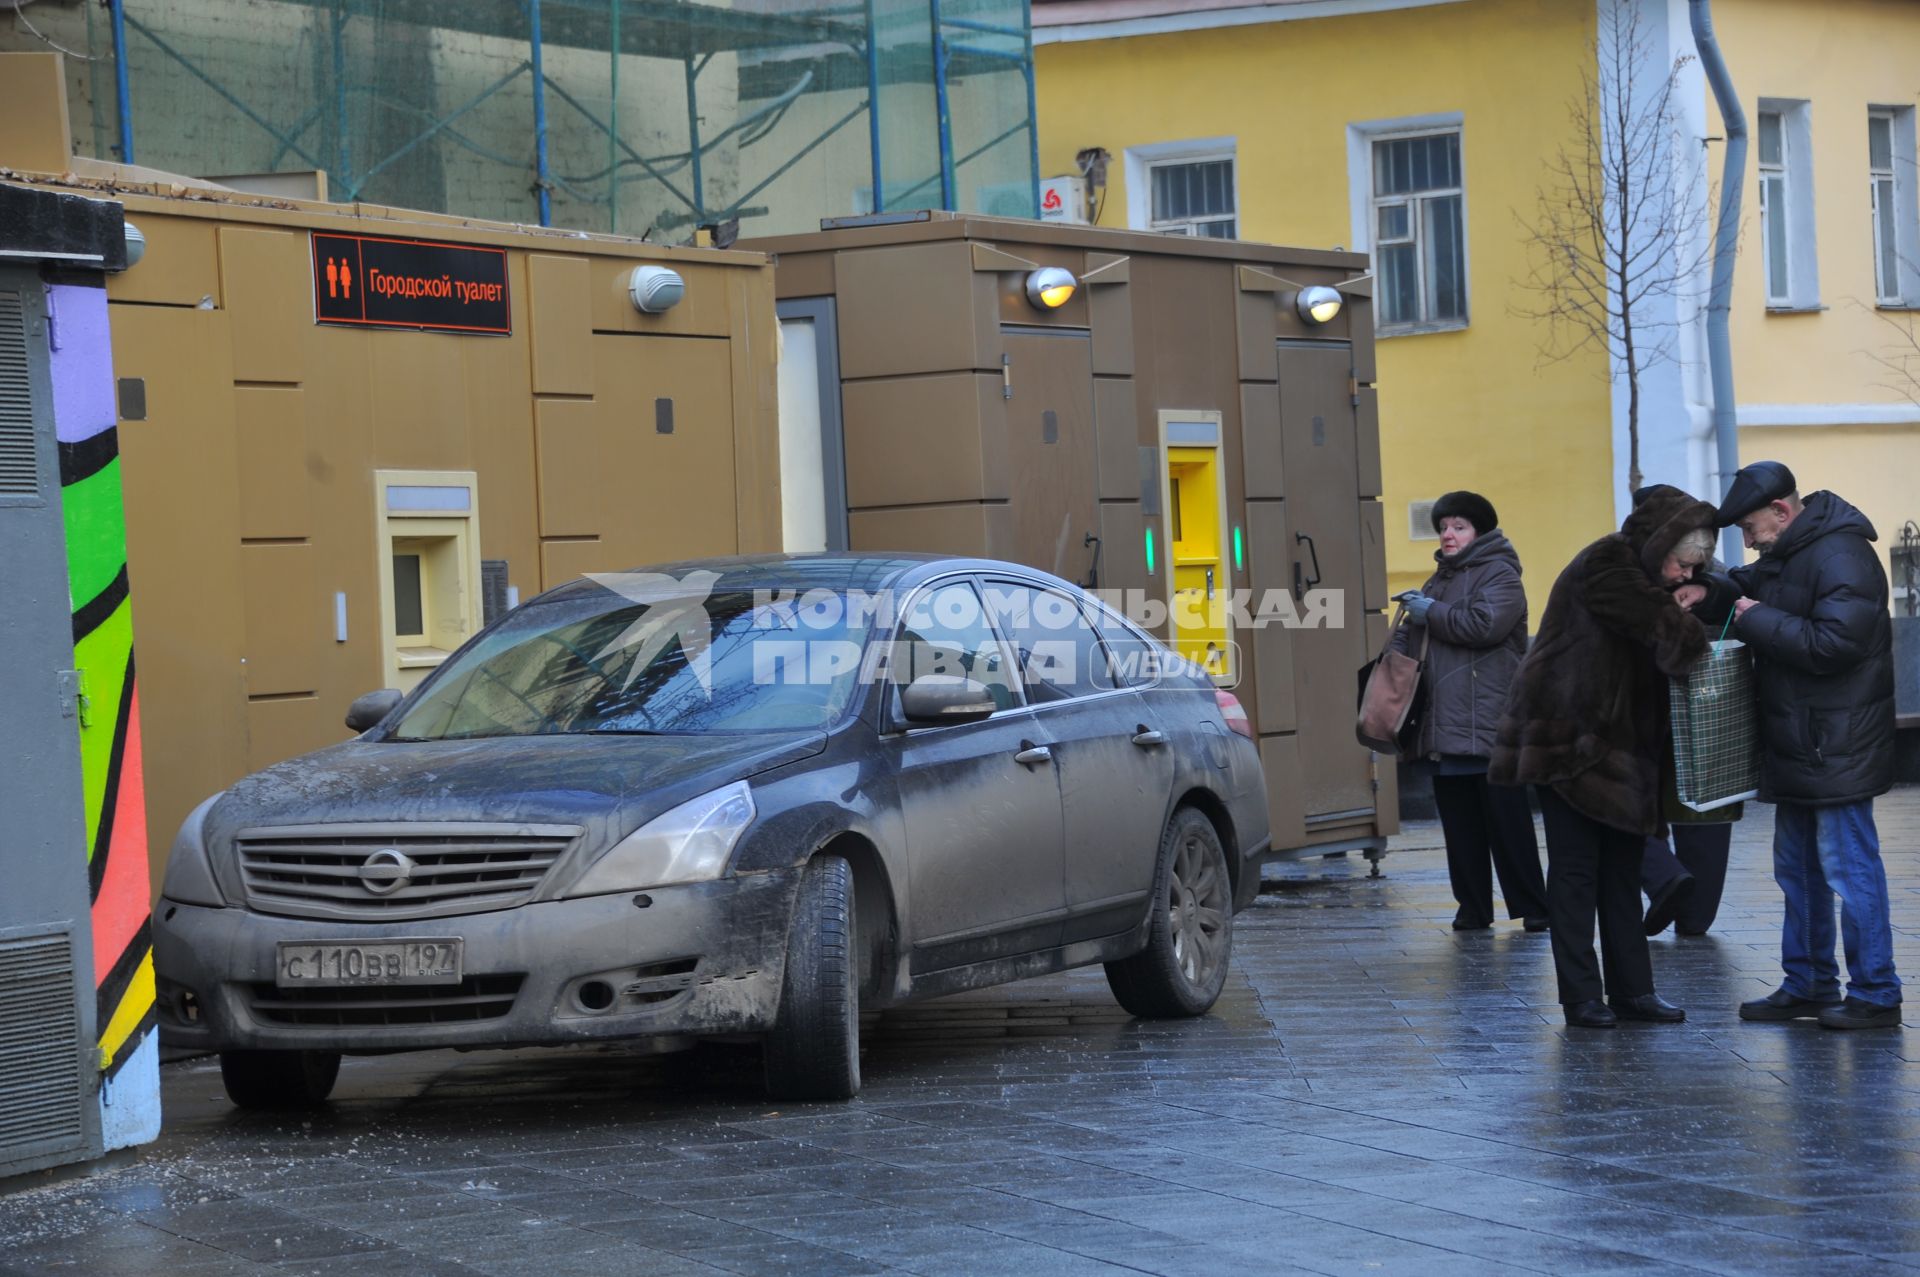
column 1374, row 1094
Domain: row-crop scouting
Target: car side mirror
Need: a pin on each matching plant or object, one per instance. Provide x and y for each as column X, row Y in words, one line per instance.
column 370, row 709
column 945, row 698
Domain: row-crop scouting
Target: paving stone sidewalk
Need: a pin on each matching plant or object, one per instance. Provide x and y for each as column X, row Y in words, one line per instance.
column 1374, row 1094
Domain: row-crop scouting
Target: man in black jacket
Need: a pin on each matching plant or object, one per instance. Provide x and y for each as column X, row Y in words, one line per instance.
column 1814, row 612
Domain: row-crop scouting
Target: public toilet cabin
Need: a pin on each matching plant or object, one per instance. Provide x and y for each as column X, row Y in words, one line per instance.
column 1179, row 426
column 349, row 434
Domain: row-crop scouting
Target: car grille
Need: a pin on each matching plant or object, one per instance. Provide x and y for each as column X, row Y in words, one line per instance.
column 323, row 871
column 478, row 997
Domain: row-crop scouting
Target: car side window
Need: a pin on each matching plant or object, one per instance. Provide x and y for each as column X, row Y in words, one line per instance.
column 1133, row 659
column 1058, row 653
column 945, row 631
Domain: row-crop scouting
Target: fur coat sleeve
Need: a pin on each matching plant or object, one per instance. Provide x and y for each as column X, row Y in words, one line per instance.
column 1622, row 600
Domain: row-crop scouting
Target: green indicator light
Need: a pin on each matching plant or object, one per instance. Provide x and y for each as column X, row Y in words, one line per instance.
column 1149, row 551
column 1239, row 550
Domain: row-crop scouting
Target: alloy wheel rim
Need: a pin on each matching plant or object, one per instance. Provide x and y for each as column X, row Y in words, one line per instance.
column 1196, row 911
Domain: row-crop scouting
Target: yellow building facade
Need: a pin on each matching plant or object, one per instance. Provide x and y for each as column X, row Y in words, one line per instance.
column 1292, row 122
column 1815, row 388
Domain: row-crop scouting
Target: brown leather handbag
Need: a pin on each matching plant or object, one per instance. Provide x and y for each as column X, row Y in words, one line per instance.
column 1392, row 695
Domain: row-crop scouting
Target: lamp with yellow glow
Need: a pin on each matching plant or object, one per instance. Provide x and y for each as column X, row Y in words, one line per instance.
column 1050, row 287
column 1318, row 304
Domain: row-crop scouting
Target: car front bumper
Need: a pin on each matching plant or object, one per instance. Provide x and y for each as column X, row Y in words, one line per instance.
column 701, row 958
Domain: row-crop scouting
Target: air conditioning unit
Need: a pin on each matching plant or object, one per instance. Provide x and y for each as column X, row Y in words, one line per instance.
column 1064, row 199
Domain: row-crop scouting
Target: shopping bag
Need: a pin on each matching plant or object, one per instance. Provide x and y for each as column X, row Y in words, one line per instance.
column 1392, row 696
column 1716, row 729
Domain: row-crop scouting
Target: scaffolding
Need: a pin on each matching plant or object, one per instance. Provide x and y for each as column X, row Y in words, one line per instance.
column 593, row 114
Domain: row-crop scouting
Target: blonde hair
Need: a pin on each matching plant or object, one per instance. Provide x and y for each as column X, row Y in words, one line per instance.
column 1695, row 547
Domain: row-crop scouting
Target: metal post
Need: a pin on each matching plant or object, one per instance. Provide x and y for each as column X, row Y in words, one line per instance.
column 539, row 115
column 342, row 147
column 1726, row 429
column 941, row 109
column 873, row 104
column 693, row 141
column 1033, row 109
column 120, row 80
column 613, row 119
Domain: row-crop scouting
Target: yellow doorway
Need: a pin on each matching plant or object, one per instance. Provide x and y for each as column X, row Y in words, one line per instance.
column 1197, row 536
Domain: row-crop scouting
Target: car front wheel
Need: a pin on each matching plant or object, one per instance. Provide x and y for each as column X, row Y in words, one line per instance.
column 279, row 1079
column 813, row 1052
column 1190, row 934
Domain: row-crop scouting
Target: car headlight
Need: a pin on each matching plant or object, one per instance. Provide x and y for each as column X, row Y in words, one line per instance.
column 189, row 877
column 689, row 843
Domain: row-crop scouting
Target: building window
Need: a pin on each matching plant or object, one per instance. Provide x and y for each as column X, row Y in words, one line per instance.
column 1193, row 197
column 1775, row 217
column 1785, row 137
column 1189, row 187
column 1896, row 226
column 1418, row 230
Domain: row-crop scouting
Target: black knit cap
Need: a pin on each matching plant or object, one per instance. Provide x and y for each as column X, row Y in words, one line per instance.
column 1471, row 506
column 1754, row 486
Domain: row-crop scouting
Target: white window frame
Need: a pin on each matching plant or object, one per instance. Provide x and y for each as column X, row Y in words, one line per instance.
column 1365, row 208
column 1142, row 160
column 1796, row 173
column 1906, row 211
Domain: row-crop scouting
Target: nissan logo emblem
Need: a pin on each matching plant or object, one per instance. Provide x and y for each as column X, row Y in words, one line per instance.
column 385, row 872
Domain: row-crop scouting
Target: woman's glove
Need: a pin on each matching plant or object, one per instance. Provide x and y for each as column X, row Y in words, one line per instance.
column 1417, row 606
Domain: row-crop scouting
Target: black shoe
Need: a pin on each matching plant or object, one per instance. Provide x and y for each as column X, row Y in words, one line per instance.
column 1691, row 933
column 1672, row 899
column 1463, row 923
column 1591, row 1014
column 1857, row 1013
column 1647, row 1006
column 1535, row 924
column 1781, row 1005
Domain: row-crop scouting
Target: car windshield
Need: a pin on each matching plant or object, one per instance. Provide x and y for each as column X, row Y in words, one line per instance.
column 597, row 662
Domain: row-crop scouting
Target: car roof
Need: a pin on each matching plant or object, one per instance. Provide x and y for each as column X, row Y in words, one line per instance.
column 831, row 570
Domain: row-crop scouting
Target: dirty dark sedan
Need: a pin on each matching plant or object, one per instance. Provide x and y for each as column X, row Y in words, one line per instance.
column 730, row 797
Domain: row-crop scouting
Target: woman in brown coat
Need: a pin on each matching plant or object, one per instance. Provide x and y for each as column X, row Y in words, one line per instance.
column 1474, row 615
column 1587, row 722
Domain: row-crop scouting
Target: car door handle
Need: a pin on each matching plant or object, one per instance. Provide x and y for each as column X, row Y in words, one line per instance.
column 1146, row 737
column 1033, row 753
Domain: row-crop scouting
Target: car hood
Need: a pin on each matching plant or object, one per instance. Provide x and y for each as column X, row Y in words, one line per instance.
column 608, row 785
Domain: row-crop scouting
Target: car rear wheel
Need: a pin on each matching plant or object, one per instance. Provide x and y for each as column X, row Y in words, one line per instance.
column 279, row 1079
column 813, row 1052
column 1190, row 936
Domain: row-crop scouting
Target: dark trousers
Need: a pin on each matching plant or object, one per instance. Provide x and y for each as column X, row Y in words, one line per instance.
column 1489, row 828
column 1700, row 850
column 1594, row 869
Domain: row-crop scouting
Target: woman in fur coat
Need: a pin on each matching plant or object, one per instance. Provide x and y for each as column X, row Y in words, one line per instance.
column 1587, row 722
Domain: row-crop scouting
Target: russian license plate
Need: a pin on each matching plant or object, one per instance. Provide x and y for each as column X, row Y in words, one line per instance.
column 335, row 963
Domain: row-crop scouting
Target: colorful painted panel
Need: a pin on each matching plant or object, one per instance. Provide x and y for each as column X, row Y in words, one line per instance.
column 85, row 420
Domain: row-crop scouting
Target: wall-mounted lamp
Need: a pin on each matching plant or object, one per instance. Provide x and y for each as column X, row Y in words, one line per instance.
column 136, row 245
column 1318, row 304
column 1050, row 287
column 655, row 289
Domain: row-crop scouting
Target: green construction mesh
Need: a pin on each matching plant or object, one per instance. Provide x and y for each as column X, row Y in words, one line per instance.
column 659, row 114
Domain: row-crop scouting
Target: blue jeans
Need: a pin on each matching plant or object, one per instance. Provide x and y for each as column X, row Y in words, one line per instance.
column 1818, row 853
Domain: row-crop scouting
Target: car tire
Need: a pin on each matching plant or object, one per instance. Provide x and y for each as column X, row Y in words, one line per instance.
column 813, row 1052
column 1190, row 932
column 279, row 1079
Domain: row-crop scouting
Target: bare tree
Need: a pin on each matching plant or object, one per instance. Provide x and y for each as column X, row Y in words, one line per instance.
column 1618, row 227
